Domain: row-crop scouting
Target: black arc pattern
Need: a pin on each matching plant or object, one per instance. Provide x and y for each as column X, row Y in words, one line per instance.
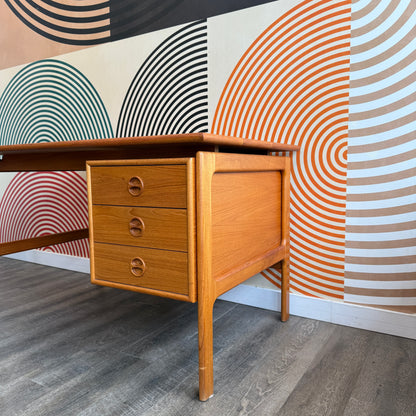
column 91, row 22
column 169, row 93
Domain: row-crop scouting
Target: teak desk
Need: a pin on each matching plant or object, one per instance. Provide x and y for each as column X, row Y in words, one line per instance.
column 182, row 216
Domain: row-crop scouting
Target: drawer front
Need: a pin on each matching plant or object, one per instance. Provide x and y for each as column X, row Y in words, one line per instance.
column 141, row 267
column 162, row 228
column 142, row 185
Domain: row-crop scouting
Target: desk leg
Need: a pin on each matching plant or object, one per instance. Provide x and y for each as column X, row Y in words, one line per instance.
column 285, row 291
column 286, row 238
column 205, row 167
column 205, row 343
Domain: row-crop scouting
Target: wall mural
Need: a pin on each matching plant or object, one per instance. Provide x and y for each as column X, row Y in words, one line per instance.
column 79, row 23
column 334, row 76
column 50, row 101
column 380, row 259
column 291, row 86
column 169, row 93
column 90, row 22
column 48, row 28
column 41, row 203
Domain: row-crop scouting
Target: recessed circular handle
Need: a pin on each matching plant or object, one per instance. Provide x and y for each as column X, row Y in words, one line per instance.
column 136, row 227
column 138, row 267
column 135, row 186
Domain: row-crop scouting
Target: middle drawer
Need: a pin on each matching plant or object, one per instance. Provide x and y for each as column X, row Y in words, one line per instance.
column 162, row 228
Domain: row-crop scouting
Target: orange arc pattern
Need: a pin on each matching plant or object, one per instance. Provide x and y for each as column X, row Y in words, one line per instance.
column 291, row 86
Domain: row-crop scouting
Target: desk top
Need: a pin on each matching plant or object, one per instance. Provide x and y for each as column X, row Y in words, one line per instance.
column 190, row 138
column 71, row 155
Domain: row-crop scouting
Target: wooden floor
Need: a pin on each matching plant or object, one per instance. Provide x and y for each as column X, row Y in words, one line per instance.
column 70, row 348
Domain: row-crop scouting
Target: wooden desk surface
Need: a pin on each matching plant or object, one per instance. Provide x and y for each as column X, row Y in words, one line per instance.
column 71, row 155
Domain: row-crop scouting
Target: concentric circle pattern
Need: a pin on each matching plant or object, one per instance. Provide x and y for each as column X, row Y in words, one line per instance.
column 50, row 101
column 169, row 94
column 75, row 22
column 291, row 86
column 42, row 203
column 90, row 22
column 380, row 267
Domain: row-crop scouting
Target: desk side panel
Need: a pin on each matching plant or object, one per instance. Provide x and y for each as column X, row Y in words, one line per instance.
column 246, row 218
column 242, row 220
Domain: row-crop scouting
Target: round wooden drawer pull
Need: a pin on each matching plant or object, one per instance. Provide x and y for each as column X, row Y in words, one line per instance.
column 136, row 227
column 138, row 267
column 135, row 186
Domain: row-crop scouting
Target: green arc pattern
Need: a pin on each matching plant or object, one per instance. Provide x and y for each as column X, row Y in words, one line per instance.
column 50, row 101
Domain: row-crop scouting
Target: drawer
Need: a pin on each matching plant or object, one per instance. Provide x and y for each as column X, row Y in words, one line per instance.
column 135, row 267
column 162, row 228
column 142, row 185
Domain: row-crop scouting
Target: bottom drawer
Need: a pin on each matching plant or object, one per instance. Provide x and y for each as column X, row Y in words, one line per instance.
column 141, row 267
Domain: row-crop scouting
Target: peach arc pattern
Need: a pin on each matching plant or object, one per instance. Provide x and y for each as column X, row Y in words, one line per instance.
column 66, row 21
column 291, row 86
column 380, row 263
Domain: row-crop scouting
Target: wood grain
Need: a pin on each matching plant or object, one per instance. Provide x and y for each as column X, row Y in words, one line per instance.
column 246, row 211
column 163, row 182
column 42, row 241
column 205, row 165
column 236, row 235
column 163, row 228
column 164, row 185
column 250, row 261
column 72, row 155
column 285, row 283
column 165, row 270
column 239, row 234
column 129, row 142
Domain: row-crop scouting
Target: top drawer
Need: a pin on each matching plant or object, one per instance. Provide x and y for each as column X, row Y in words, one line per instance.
column 142, row 185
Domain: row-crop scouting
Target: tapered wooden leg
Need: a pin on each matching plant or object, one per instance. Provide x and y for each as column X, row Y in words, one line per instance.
column 205, row 342
column 285, row 290
column 285, row 240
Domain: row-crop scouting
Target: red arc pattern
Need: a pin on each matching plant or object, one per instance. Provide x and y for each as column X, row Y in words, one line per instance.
column 41, row 203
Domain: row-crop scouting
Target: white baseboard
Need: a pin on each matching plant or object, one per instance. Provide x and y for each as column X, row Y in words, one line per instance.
column 372, row 319
column 61, row 261
column 363, row 317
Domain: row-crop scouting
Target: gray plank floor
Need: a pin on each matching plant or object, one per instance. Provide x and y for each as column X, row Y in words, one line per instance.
column 70, row 348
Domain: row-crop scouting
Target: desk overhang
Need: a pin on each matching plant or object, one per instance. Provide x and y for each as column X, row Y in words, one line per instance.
column 72, row 155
